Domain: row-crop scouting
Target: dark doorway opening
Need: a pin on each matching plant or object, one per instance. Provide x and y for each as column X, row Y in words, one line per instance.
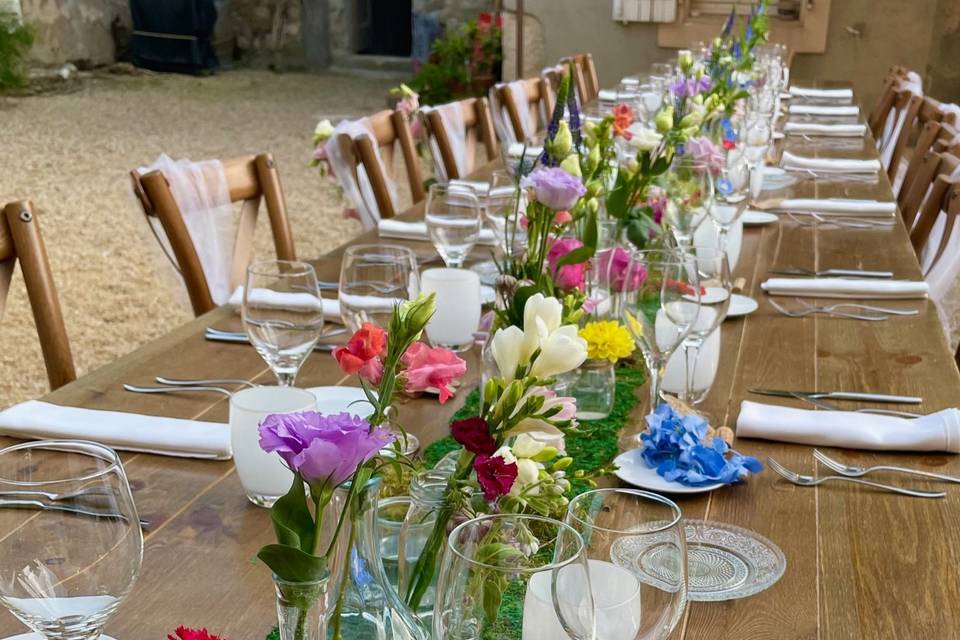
column 385, row 27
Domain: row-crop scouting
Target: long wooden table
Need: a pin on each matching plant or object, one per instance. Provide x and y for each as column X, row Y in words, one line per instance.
column 861, row 564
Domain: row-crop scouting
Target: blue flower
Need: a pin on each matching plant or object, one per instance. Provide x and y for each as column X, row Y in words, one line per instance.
column 737, row 51
column 728, row 25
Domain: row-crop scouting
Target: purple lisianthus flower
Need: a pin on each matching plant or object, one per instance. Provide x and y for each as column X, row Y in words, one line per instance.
column 703, row 150
column 554, row 187
column 325, row 449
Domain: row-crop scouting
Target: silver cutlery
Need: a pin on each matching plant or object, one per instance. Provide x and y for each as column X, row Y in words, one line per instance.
column 832, row 176
column 856, row 396
column 176, row 382
column 832, row 273
column 853, row 305
column 842, row 222
column 138, row 389
column 852, row 471
column 880, row 412
column 810, row 481
column 242, row 338
column 802, row 313
column 329, row 333
column 66, row 508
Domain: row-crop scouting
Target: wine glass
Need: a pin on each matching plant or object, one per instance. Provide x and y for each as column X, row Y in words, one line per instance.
column 72, row 545
column 636, row 548
column 688, row 192
column 373, row 279
column 492, row 560
column 503, row 209
column 716, row 289
column 758, row 134
column 659, row 307
column 283, row 314
column 731, row 186
column 453, row 222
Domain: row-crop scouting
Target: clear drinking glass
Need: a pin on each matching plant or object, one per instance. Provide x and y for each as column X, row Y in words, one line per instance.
column 458, row 307
column 282, row 314
column 716, row 289
column 688, row 190
column 264, row 476
column 453, row 223
column 637, row 553
column 374, row 278
column 731, row 188
column 659, row 307
column 72, row 545
column 494, row 555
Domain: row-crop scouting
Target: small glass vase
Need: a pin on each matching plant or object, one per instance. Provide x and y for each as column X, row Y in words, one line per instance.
column 427, row 492
column 300, row 609
column 594, row 387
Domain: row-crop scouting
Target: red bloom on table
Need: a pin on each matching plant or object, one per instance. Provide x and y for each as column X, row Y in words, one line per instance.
column 193, row 634
column 474, row 435
column 622, row 119
column 496, row 473
column 362, row 353
column 431, row 368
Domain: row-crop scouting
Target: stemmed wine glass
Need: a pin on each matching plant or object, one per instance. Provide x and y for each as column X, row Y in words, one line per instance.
column 716, row 289
column 495, row 555
column 731, row 187
column 659, row 307
column 688, row 193
column 453, row 222
column 283, row 314
column 373, row 279
column 636, row 549
column 72, row 545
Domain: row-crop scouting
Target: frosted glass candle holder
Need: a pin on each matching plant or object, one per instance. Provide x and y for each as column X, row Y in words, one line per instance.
column 458, row 307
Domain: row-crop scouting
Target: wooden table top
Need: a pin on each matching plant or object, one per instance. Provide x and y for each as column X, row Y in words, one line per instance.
column 860, row 564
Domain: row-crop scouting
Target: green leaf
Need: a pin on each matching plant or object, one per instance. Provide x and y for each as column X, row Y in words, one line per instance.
column 637, row 233
column 578, row 255
column 491, row 596
column 291, row 517
column 291, row 564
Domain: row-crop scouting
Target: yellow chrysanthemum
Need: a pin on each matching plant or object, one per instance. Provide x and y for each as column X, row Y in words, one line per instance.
column 607, row 340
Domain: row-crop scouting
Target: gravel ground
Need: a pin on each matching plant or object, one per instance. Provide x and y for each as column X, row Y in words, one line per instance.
column 70, row 154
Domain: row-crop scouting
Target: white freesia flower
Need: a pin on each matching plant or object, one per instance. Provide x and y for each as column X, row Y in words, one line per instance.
column 538, row 309
column 528, row 473
column 507, row 349
column 324, row 130
column 561, row 351
column 526, row 447
column 561, row 347
column 645, row 139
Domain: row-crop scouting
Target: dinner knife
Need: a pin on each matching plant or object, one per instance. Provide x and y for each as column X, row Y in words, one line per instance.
column 239, row 338
column 833, row 273
column 857, row 396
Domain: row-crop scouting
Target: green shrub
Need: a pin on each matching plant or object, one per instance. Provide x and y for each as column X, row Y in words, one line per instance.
column 15, row 41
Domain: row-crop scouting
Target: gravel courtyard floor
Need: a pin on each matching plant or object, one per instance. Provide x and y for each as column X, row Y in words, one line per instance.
column 70, row 154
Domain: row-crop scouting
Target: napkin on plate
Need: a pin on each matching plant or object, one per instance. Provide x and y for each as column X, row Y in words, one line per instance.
column 829, row 165
column 938, row 431
column 35, row 419
column 826, row 130
column 278, row 299
column 857, row 288
column 845, row 206
column 824, row 110
column 822, row 94
column 418, row 231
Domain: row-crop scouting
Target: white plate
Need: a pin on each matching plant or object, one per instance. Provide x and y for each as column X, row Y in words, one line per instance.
column 340, row 399
column 633, row 470
column 741, row 305
column 754, row 218
column 37, row 636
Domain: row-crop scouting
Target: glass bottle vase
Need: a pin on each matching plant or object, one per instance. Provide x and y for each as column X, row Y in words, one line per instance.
column 300, row 609
column 594, row 388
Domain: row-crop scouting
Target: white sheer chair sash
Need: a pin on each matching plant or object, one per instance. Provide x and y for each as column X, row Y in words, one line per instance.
column 451, row 115
column 353, row 179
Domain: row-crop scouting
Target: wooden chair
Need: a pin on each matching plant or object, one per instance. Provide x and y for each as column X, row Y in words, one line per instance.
column 250, row 179
column 942, row 198
column 933, row 164
column 585, row 76
column 391, row 130
column 906, row 106
column 934, row 135
column 534, row 93
column 20, row 239
column 878, row 115
column 479, row 128
column 551, row 77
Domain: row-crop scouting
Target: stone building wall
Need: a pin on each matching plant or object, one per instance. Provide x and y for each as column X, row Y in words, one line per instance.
column 73, row 30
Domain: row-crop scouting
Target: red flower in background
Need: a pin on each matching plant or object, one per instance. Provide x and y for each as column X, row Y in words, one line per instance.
column 495, row 475
column 193, row 634
column 362, row 353
column 486, row 20
column 622, row 119
column 474, row 435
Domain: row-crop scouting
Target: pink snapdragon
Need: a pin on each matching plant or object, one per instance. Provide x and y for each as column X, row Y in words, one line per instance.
column 431, row 368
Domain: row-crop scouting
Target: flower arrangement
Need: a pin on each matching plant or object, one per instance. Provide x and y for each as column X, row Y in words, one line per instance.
column 684, row 448
column 183, row 633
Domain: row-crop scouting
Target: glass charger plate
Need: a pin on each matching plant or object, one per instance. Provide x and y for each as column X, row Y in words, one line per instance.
column 724, row 562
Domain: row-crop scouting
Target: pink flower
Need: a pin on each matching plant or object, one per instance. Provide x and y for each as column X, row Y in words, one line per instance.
column 614, row 265
column 562, row 217
column 431, row 368
column 320, row 153
column 524, row 222
column 567, row 406
column 703, row 150
column 571, row 276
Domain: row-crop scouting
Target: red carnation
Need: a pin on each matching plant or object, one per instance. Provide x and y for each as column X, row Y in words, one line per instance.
column 362, row 352
column 474, row 435
column 495, row 475
column 193, row 634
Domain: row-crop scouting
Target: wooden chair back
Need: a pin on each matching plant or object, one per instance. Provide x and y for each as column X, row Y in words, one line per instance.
column 906, row 106
column 943, row 197
column 878, row 115
column 585, row 76
column 20, row 239
column 915, row 194
column 250, row 179
column 932, row 131
column 534, row 92
column 551, row 77
column 391, row 130
column 479, row 128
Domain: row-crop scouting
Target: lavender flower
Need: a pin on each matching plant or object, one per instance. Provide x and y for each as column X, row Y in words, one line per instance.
column 554, row 188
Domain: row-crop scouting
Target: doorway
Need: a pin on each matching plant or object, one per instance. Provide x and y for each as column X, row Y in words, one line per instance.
column 384, row 27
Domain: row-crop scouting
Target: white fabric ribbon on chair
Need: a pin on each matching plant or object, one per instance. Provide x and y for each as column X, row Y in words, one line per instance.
column 203, row 197
column 357, row 185
column 518, row 95
column 451, row 115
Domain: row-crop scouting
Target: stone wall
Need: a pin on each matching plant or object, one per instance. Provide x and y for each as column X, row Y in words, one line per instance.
column 73, row 30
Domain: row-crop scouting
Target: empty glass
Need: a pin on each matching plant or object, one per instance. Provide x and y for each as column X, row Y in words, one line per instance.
column 731, row 188
column 373, row 279
column 453, row 222
column 659, row 307
column 637, row 554
column 532, row 557
column 282, row 314
column 72, row 545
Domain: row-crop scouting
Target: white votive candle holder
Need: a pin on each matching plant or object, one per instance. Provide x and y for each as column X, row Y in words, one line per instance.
column 458, row 307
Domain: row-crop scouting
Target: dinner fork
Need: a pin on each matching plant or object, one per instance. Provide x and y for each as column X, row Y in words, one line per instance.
column 810, row 481
column 138, row 389
column 842, row 222
column 817, row 402
column 851, row 305
column 852, row 471
column 177, row 382
column 802, row 313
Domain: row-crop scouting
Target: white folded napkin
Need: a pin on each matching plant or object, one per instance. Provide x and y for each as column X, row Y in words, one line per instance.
column 475, row 186
column 845, row 206
column 824, row 110
column 829, row 165
column 825, row 130
column 516, row 148
column 607, row 95
column 938, row 431
column 279, row 300
column 822, row 94
column 857, row 288
column 127, row 431
column 418, row 231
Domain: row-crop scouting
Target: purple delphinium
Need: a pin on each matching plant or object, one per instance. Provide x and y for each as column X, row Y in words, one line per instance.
column 326, row 450
column 554, row 187
column 689, row 87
